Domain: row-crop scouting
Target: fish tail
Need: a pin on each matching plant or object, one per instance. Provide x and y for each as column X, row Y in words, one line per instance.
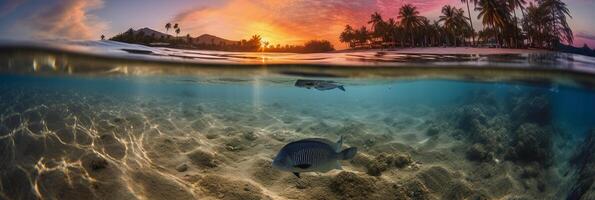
column 348, row 153
column 341, row 88
column 339, row 144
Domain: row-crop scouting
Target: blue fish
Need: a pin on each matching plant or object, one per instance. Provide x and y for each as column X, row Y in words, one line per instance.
column 312, row 155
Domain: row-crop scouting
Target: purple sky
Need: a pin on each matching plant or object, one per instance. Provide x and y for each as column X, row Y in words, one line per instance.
column 278, row 21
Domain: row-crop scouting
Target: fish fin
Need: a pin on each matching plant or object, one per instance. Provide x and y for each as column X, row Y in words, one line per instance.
column 348, row 153
column 297, row 174
column 339, row 144
column 338, row 166
column 341, row 88
column 303, row 166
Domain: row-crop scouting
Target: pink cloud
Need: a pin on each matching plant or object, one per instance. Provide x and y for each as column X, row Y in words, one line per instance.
column 582, row 38
column 292, row 21
column 67, row 19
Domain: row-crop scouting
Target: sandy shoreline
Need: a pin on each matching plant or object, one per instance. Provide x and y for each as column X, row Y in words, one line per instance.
column 449, row 50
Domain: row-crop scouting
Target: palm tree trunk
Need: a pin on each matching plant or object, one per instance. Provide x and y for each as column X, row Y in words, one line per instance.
column 516, row 33
column 471, row 22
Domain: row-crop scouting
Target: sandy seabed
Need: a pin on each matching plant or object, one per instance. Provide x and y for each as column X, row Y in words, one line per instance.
column 72, row 145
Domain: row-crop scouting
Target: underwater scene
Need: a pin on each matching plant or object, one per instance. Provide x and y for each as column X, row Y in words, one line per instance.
column 88, row 127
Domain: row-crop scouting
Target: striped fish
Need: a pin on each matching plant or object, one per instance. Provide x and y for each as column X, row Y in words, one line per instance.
column 312, row 155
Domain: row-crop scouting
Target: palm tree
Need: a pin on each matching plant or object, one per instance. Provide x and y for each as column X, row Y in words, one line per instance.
column 454, row 21
column 513, row 5
column 176, row 26
column 559, row 11
column 177, row 31
column 391, row 31
column 254, row 42
column 348, row 36
column 426, row 30
column 362, row 36
column 102, row 37
column 437, row 33
column 546, row 24
column 493, row 14
column 375, row 19
column 378, row 26
column 410, row 19
column 167, row 27
column 469, row 13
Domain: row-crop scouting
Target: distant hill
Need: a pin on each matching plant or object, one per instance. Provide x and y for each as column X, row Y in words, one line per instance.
column 150, row 32
column 585, row 50
column 214, row 40
column 150, row 37
column 204, row 39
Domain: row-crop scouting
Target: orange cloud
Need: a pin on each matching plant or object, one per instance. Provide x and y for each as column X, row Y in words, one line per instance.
column 290, row 21
column 278, row 21
column 67, row 19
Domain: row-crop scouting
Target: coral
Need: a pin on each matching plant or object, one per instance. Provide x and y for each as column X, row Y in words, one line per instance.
column 584, row 163
column 533, row 108
column 182, row 167
column 202, row 159
column 477, row 152
column 531, row 144
column 401, row 161
column 384, row 161
column 414, row 189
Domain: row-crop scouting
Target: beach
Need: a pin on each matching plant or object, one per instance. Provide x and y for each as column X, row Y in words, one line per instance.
column 451, row 50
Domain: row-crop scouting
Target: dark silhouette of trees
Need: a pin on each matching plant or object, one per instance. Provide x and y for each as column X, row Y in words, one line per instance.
column 317, row 46
column 470, row 19
column 513, row 5
column 544, row 25
column 494, row 14
column 167, row 27
column 348, row 36
column 410, row 20
column 455, row 22
column 254, row 44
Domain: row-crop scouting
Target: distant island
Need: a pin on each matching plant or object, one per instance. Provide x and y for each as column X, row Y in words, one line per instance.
column 150, row 37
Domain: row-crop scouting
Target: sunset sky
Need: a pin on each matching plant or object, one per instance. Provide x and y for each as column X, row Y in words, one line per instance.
column 277, row 21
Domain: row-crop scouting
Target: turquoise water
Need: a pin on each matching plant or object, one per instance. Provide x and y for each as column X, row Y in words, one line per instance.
column 98, row 130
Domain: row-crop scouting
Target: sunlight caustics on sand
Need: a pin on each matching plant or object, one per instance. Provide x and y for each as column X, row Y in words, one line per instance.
column 105, row 123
